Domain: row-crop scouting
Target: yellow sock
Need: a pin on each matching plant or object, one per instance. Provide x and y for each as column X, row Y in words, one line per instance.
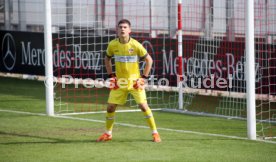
column 150, row 119
column 109, row 122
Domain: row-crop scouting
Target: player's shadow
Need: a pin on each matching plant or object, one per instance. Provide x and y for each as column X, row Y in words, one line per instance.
column 44, row 140
column 51, row 140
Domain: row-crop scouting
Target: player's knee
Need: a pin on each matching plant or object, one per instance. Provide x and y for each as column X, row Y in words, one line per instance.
column 111, row 108
column 144, row 107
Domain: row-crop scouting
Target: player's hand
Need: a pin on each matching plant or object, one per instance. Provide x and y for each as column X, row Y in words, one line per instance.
column 140, row 83
column 113, row 82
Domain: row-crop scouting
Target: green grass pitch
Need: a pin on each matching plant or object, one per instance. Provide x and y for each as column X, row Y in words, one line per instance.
column 35, row 137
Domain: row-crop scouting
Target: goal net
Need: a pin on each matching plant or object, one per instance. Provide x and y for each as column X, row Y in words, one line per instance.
column 213, row 61
column 81, row 32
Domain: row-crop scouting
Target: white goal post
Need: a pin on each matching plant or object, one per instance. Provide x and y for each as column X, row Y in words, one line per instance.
column 250, row 71
column 49, row 80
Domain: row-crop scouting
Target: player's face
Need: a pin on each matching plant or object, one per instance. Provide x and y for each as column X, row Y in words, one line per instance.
column 123, row 30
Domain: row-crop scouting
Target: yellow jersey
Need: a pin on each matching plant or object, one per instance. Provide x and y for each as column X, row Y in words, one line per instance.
column 126, row 57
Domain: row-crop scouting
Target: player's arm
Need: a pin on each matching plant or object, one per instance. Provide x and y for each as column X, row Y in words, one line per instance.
column 140, row 83
column 148, row 66
column 108, row 65
column 111, row 76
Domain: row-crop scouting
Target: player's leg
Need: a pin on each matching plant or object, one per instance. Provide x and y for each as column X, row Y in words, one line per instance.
column 140, row 98
column 148, row 116
column 110, row 115
column 116, row 97
column 150, row 120
column 109, row 122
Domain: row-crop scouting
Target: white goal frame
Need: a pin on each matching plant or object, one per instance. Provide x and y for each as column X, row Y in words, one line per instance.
column 250, row 62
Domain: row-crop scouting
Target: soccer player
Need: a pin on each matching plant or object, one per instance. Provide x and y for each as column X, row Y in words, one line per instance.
column 127, row 78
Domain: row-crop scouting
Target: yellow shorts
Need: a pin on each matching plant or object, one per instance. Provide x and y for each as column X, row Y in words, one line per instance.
column 119, row 96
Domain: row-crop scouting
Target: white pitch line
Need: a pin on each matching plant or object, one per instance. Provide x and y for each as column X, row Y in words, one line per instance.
column 136, row 126
column 101, row 112
column 22, row 112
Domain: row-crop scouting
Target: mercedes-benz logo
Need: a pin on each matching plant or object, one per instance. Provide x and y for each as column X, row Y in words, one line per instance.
column 8, row 51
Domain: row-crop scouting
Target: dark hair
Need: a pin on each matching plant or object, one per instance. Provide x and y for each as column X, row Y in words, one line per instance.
column 124, row 21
